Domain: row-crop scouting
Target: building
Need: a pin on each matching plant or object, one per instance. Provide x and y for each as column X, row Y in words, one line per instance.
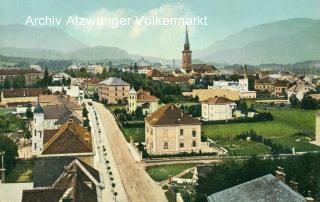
column 78, row 181
column 217, row 109
column 204, row 94
column 20, row 96
column 264, row 84
column 59, row 77
column 95, row 69
column 281, row 87
column 91, row 86
column 113, row 90
column 145, row 69
column 72, row 91
column 265, row 188
column 143, row 99
column 169, row 131
column 157, row 75
column 31, row 76
column 299, row 89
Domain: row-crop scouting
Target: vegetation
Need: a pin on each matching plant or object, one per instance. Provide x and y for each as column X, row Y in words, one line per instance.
column 163, row 172
column 22, row 172
column 244, row 148
column 303, row 169
column 11, row 152
column 136, row 132
column 11, row 123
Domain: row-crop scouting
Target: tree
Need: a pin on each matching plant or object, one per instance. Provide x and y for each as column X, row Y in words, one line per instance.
column 11, row 152
column 135, row 67
column 7, row 83
column 46, row 77
column 294, row 101
column 29, row 114
column 308, row 102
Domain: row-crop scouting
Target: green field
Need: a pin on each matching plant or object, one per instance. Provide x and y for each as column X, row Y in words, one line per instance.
column 22, row 172
column 163, row 172
column 286, row 123
column 137, row 133
column 245, row 148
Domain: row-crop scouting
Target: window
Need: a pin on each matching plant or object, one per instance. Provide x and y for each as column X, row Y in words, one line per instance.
column 35, row 146
column 194, row 133
column 122, row 88
column 181, row 132
column 165, row 145
column 181, row 144
column 116, row 88
column 35, row 133
column 40, row 134
column 194, row 143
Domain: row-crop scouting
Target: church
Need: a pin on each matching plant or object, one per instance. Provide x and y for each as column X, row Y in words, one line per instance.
column 188, row 67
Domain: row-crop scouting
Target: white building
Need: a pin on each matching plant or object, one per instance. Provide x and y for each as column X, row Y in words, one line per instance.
column 217, row 108
column 300, row 89
column 59, row 77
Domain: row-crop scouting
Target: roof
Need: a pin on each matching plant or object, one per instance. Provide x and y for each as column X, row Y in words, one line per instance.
column 144, row 96
column 157, row 73
column 113, row 81
column 70, row 138
column 218, row 101
column 265, row 188
column 77, row 181
column 55, row 111
column 281, row 83
column 199, row 68
column 300, row 86
column 93, row 81
column 315, row 96
column 132, row 90
column 38, row 109
column 16, row 71
column 177, row 79
column 266, row 80
column 170, row 115
column 61, row 75
column 22, row 92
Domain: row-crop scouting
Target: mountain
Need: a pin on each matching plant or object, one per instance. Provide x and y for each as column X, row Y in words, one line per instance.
column 21, row 36
column 286, row 41
column 32, row 53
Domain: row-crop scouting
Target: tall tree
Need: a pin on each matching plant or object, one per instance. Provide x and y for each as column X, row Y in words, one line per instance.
column 46, row 77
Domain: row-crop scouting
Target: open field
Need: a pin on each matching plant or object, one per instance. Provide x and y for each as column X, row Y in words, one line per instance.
column 163, row 172
column 286, row 123
column 22, row 172
column 245, row 148
column 137, row 133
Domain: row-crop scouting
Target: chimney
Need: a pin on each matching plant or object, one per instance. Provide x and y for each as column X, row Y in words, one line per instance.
column 280, row 175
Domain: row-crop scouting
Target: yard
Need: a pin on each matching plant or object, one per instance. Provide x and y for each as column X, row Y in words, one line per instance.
column 287, row 122
column 22, row 172
column 244, row 148
column 136, row 132
column 163, row 172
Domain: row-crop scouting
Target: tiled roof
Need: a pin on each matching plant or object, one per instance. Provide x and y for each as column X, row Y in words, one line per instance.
column 157, row 73
column 300, row 86
column 55, row 111
column 77, row 181
column 13, row 72
column 266, row 80
column 218, row 100
column 93, row 81
column 170, row 115
column 177, row 79
column 265, row 188
column 22, row 92
column 113, row 81
column 70, row 138
column 202, row 68
column 143, row 96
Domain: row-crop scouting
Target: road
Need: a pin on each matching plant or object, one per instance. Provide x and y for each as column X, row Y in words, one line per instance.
column 137, row 183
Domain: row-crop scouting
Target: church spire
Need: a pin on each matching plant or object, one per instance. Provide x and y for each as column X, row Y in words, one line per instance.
column 186, row 43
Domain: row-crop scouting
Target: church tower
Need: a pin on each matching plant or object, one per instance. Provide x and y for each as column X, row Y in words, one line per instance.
column 38, row 129
column 186, row 54
column 244, row 83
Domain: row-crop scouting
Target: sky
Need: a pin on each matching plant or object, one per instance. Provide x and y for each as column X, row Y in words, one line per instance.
column 225, row 17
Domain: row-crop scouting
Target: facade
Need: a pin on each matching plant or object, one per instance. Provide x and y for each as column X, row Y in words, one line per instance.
column 217, row 109
column 91, row 86
column 31, row 75
column 143, row 99
column 95, row 69
column 58, row 78
column 204, row 94
column 299, row 89
column 169, row 131
column 19, row 96
column 265, row 84
column 281, row 87
column 112, row 90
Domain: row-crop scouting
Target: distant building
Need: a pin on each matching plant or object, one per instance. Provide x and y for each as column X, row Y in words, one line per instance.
column 217, row 109
column 157, row 75
column 264, row 84
column 299, row 89
column 91, row 86
column 281, row 87
column 113, row 90
column 20, row 96
column 145, row 69
column 170, row 131
column 143, row 99
column 58, row 78
column 95, row 69
column 78, row 181
column 31, row 75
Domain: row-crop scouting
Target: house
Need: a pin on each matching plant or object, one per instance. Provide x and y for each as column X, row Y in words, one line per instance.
column 170, row 131
column 177, row 72
column 217, row 108
column 20, row 96
column 265, row 188
column 204, row 94
column 281, row 87
column 59, row 77
column 156, row 75
column 143, row 99
column 31, row 76
column 91, row 86
column 78, row 181
column 95, row 69
column 72, row 91
column 141, row 69
column 264, row 84
column 299, row 89
column 113, row 90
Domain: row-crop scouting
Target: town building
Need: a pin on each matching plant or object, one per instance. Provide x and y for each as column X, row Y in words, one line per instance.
column 95, row 69
column 143, row 99
column 217, row 109
column 78, row 181
column 72, row 91
column 170, row 131
column 299, row 89
column 204, row 94
column 31, row 76
column 59, row 77
column 20, row 96
column 113, row 90
column 264, row 84
column 145, row 69
column 91, row 86
column 157, row 75
column 281, row 87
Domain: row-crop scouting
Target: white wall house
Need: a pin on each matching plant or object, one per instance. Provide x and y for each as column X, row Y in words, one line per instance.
column 217, row 108
column 300, row 89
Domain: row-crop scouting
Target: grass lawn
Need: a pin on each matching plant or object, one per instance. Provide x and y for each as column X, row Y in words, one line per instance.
column 137, row 133
column 286, row 123
column 188, row 175
column 245, row 148
column 163, row 172
column 22, row 172
column 113, row 107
